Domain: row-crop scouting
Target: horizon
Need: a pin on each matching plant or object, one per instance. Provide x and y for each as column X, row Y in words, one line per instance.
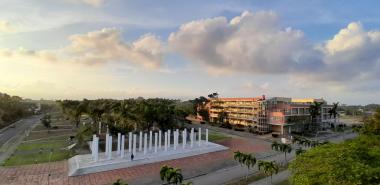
column 114, row 49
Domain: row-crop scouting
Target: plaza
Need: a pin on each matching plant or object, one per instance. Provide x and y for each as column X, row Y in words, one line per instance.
column 150, row 150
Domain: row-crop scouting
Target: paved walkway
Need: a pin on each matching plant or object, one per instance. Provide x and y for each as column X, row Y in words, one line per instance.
column 144, row 174
column 282, row 176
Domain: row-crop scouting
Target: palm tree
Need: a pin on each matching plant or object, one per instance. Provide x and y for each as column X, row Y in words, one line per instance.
column 300, row 151
column 282, row 147
column 269, row 168
column 247, row 160
column 171, row 175
column 315, row 111
column 119, row 182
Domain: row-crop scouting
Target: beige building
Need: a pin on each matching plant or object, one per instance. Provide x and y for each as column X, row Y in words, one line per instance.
column 248, row 112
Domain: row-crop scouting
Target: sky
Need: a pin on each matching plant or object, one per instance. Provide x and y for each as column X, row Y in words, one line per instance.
column 75, row 49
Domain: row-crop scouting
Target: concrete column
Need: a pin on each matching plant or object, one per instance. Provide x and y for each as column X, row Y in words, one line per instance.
column 145, row 142
column 140, row 141
column 191, row 137
column 169, row 139
column 118, row 143
column 166, row 141
column 175, row 140
column 206, row 135
column 93, row 146
column 108, row 131
column 159, row 139
column 96, row 157
column 122, row 152
column 150, row 140
column 183, row 139
column 199, row 136
column 155, row 142
column 110, row 148
column 107, row 142
column 130, row 142
column 134, row 144
column 100, row 127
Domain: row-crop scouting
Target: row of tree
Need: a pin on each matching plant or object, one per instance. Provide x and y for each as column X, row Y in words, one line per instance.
column 129, row 115
column 13, row 108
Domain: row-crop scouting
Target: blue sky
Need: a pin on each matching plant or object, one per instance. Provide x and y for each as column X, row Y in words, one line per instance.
column 184, row 49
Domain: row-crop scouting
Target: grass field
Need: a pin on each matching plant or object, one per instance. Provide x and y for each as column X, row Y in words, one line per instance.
column 37, row 158
column 49, row 144
column 217, row 136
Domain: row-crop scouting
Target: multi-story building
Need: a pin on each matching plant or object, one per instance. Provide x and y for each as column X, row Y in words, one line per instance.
column 287, row 114
column 278, row 114
column 248, row 112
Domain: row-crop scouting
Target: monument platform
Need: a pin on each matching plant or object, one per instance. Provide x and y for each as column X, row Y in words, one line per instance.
column 84, row 164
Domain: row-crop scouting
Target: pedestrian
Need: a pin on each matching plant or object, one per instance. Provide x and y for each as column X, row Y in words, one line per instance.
column 132, row 156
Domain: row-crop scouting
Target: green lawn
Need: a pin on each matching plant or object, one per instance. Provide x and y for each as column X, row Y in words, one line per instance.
column 216, row 136
column 37, row 158
column 50, row 144
column 29, row 153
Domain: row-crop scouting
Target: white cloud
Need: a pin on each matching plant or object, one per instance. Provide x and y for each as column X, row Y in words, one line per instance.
column 5, row 27
column 100, row 46
column 95, row 3
column 252, row 42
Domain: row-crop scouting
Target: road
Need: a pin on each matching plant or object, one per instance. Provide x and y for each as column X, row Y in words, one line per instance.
column 10, row 137
column 237, row 172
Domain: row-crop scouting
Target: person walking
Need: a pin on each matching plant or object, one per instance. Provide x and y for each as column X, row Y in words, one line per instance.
column 132, row 156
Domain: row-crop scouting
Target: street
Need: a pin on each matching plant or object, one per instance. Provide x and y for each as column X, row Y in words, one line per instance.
column 14, row 135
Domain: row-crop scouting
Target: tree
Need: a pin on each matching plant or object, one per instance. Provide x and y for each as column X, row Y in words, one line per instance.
column 247, row 160
column 171, row 175
column 299, row 151
column 119, row 182
column 269, row 168
column 315, row 112
column 333, row 111
column 46, row 121
column 351, row 162
column 282, row 147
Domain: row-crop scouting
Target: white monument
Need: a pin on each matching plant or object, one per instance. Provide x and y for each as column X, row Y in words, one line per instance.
column 96, row 162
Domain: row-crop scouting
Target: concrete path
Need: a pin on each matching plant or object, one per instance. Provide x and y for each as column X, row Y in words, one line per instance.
column 235, row 173
column 282, row 176
column 10, row 137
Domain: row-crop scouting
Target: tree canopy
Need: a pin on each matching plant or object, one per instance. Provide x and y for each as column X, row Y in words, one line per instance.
column 355, row 161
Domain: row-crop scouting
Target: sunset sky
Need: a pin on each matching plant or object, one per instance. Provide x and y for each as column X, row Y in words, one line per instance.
column 58, row 49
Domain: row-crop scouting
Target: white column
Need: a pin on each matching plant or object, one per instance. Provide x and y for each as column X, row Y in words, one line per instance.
column 183, row 139
column 199, row 136
column 100, row 127
column 140, row 141
column 118, row 142
column 191, row 137
column 122, row 146
column 206, row 135
column 130, row 143
column 150, row 140
column 93, row 146
column 155, row 142
column 169, row 139
column 107, row 142
column 166, row 141
column 134, row 144
column 159, row 139
column 145, row 142
column 110, row 148
column 96, row 149
column 174, row 140
column 108, row 131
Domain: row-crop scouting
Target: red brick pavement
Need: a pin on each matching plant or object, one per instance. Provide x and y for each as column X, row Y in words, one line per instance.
column 38, row 173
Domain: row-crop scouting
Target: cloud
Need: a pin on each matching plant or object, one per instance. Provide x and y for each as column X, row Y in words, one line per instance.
column 252, row 42
column 98, row 47
column 95, row 3
column 6, row 27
